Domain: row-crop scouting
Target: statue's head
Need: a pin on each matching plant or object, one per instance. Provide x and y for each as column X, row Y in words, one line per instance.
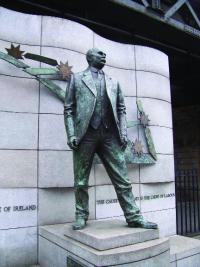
column 96, row 58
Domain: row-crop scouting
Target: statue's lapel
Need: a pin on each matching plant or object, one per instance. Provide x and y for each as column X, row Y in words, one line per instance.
column 89, row 82
column 109, row 85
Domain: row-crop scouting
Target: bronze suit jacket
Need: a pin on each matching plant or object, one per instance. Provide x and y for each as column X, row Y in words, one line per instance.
column 80, row 100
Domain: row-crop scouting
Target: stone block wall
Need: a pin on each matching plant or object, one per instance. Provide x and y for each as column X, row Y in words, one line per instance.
column 36, row 177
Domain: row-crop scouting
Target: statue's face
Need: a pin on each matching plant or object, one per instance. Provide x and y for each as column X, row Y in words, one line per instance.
column 98, row 59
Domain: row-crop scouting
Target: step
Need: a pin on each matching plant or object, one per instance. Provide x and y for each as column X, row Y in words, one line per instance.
column 54, row 245
column 107, row 234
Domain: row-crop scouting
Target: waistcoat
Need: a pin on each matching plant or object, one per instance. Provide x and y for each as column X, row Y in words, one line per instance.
column 103, row 111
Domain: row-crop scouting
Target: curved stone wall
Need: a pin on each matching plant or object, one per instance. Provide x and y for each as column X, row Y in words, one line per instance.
column 36, row 163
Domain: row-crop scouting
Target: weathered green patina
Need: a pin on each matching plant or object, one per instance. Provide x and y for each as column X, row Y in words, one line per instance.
column 94, row 113
column 95, row 120
column 38, row 73
column 149, row 139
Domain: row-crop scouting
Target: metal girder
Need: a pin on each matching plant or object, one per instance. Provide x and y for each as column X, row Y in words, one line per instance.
column 193, row 13
column 145, row 3
column 156, row 4
column 174, row 8
column 132, row 5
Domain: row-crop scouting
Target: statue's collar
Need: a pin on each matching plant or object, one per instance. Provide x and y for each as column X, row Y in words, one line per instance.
column 93, row 69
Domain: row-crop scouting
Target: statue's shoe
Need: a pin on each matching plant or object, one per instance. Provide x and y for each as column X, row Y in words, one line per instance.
column 143, row 224
column 79, row 224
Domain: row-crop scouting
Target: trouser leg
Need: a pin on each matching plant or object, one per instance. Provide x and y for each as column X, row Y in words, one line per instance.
column 113, row 159
column 83, row 158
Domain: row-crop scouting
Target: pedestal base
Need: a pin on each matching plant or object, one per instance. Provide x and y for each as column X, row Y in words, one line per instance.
column 119, row 246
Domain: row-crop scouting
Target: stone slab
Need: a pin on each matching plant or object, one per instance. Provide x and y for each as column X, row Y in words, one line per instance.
column 52, row 255
column 56, row 169
column 18, row 207
column 75, row 59
column 159, row 116
column 19, row 94
column 117, row 54
column 162, row 171
column 126, row 79
column 192, row 261
column 57, row 205
column 18, row 26
column 153, row 85
column 18, row 130
column 151, row 60
column 107, row 204
column 52, row 133
column 9, row 69
column 49, row 102
column 127, row 254
column 166, row 220
column 107, row 234
column 183, row 247
column 18, row 168
column 18, row 247
column 69, row 34
column 162, row 138
column 131, row 108
column 102, row 178
column 157, row 196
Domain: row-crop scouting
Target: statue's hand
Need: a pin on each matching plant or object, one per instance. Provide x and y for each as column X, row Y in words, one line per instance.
column 124, row 142
column 72, row 143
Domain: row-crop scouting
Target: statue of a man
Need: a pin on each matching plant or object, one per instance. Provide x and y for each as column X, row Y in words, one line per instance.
column 95, row 120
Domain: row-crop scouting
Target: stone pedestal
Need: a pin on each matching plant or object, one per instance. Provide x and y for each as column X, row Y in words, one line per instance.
column 102, row 243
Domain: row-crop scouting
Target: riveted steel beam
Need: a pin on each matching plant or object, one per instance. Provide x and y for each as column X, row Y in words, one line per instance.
column 193, row 13
column 156, row 4
column 132, row 5
column 174, row 8
column 145, row 3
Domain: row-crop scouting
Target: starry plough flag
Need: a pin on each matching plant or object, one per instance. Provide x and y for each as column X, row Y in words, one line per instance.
column 65, row 70
column 15, row 51
column 134, row 151
column 137, row 147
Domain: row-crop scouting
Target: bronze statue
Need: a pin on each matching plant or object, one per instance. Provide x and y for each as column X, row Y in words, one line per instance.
column 95, row 123
column 95, row 120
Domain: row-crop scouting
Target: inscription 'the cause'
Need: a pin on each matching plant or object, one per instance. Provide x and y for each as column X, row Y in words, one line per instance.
column 150, row 197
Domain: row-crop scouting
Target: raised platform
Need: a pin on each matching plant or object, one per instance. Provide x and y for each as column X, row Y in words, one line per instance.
column 108, row 234
column 130, row 247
